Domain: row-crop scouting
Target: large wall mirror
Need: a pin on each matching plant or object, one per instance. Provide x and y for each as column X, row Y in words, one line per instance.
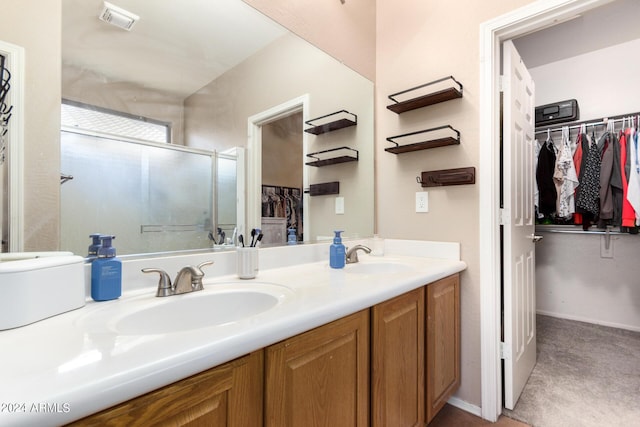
column 233, row 89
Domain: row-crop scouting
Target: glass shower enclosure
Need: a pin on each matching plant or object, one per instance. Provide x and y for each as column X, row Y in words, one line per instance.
column 153, row 197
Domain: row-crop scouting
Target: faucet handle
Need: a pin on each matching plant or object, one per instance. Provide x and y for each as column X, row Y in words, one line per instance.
column 204, row 264
column 164, row 283
column 196, row 279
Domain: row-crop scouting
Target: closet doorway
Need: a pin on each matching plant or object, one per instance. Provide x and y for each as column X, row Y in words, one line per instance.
column 282, row 179
column 537, row 16
column 275, row 128
column 580, row 270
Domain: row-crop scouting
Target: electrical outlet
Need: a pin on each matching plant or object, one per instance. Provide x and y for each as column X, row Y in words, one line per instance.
column 422, row 201
column 339, row 205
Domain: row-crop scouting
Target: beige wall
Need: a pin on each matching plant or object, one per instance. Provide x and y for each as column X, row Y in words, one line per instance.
column 35, row 25
column 216, row 118
column 420, row 41
column 345, row 29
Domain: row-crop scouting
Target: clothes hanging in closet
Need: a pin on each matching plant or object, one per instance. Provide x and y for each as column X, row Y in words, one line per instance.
column 633, row 191
column 587, row 200
column 628, row 213
column 544, row 177
column 607, row 168
column 565, row 178
column 606, row 147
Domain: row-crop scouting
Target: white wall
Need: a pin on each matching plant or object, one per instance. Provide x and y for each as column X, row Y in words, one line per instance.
column 605, row 82
column 572, row 280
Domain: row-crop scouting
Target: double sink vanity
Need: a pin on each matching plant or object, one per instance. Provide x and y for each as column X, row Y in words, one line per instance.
column 376, row 343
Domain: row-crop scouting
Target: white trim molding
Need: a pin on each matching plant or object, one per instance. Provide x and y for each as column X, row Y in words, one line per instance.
column 530, row 18
column 254, row 157
column 15, row 145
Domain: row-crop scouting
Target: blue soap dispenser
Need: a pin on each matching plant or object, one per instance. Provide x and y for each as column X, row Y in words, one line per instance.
column 106, row 272
column 292, row 239
column 337, row 252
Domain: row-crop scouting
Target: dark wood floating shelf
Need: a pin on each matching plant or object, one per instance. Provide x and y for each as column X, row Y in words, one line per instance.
column 324, row 189
column 333, row 156
column 429, row 99
column 444, row 177
column 439, row 141
column 338, row 120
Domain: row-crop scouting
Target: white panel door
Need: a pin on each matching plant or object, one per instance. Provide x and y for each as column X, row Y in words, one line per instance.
column 519, row 348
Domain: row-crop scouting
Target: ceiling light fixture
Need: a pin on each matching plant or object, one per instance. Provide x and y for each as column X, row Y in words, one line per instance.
column 117, row 16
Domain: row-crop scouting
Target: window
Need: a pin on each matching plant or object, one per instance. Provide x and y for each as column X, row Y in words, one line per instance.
column 90, row 119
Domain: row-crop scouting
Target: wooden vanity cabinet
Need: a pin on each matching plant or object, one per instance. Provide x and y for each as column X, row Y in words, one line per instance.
column 443, row 342
column 228, row 395
column 415, row 354
column 398, row 362
column 321, row 377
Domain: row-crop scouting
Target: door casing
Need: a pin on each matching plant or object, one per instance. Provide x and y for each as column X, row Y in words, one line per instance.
column 252, row 216
column 533, row 17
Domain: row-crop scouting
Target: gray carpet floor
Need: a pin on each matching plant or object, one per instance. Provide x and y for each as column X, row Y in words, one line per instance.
column 586, row 376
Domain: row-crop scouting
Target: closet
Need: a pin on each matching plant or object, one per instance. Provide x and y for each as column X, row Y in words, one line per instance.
column 587, row 272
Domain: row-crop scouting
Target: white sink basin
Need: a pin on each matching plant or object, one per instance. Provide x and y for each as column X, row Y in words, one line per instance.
column 217, row 305
column 374, row 267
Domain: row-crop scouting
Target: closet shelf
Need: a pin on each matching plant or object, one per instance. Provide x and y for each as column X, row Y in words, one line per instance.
column 334, row 121
column 440, row 137
column 437, row 95
column 333, row 156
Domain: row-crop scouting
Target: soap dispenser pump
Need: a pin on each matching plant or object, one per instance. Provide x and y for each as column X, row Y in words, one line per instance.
column 106, row 272
column 94, row 246
column 337, row 252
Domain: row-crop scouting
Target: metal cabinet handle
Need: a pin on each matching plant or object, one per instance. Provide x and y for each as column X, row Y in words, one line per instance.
column 535, row 238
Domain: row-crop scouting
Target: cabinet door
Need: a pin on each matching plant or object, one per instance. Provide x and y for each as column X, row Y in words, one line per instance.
column 229, row 395
column 398, row 361
column 321, row 377
column 443, row 342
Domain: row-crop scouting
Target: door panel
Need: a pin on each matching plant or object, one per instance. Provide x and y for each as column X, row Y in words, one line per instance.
column 519, row 224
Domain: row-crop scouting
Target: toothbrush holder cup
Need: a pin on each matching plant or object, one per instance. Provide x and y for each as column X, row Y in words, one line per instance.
column 247, row 262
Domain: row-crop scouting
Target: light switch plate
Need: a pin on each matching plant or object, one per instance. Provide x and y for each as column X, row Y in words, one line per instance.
column 339, row 205
column 422, row 201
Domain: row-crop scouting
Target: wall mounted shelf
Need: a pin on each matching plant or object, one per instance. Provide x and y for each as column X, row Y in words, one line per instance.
column 441, row 90
column 324, row 189
column 439, row 137
column 333, row 156
column 440, row 178
column 334, row 121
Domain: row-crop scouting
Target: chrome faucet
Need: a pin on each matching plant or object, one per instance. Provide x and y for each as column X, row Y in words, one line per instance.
column 189, row 279
column 352, row 253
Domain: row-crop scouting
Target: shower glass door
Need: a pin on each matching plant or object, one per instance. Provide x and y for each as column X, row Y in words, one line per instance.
column 152, row 198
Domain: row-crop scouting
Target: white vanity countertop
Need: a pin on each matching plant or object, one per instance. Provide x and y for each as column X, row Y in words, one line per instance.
column 69, row 366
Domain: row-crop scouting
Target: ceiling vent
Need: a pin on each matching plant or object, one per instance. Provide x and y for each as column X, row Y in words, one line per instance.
column 117, row 16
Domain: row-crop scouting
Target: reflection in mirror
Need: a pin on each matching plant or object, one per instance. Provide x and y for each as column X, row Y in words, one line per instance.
column 110, row 175
column 203, row 68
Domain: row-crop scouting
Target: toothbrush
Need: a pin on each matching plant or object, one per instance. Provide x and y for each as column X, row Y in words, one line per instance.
column 253, row 236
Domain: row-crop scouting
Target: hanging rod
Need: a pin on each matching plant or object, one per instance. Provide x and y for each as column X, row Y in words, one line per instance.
column 593, row 122
column 561, row 231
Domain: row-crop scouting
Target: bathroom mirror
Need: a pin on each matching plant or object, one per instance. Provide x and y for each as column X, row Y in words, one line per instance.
column 217, row 72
